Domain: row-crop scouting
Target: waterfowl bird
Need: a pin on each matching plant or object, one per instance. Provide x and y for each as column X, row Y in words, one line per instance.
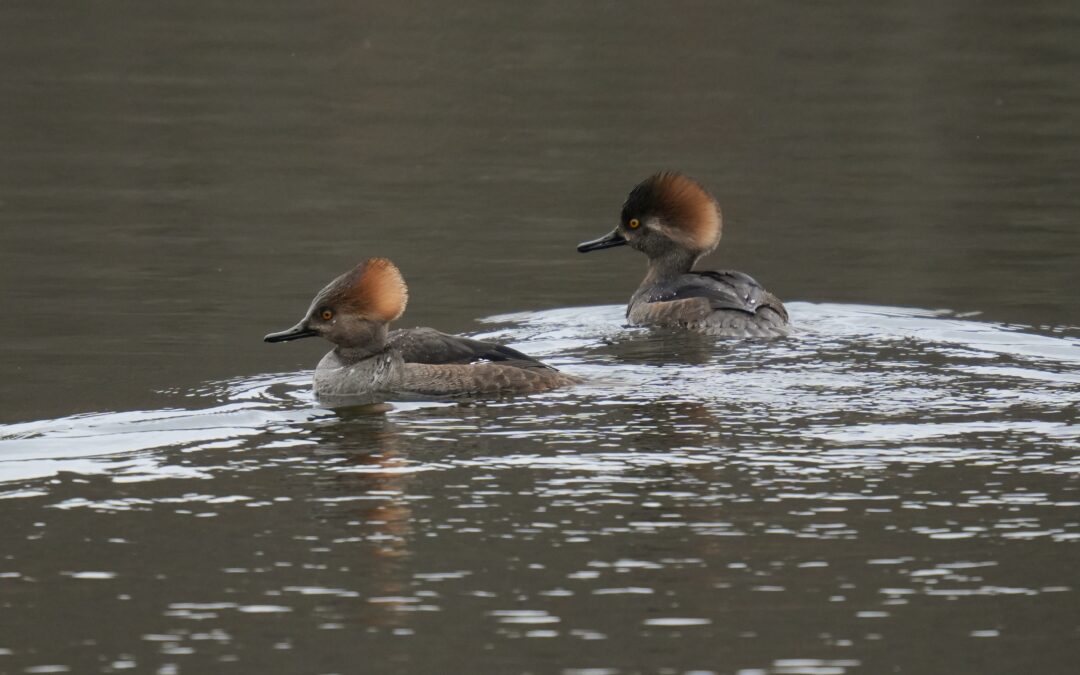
column 370, row 364
column 674, row 221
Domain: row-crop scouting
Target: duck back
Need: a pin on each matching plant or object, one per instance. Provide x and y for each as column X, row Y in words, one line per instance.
column 727, row 303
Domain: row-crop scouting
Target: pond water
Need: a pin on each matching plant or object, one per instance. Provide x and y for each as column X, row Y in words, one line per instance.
column 802, row 505
column 890, row 489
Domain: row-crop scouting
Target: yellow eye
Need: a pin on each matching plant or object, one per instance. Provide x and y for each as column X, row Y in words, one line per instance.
column 327, row 315
column 633, row 224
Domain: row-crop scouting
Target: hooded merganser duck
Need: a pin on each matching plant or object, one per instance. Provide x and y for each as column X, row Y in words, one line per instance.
column 369, row 364
column 674, row 221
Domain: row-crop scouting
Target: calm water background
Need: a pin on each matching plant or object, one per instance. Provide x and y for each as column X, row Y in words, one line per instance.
column 889, row 491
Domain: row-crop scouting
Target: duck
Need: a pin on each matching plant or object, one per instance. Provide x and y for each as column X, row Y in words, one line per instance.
column 675, row 221
column 371, row 364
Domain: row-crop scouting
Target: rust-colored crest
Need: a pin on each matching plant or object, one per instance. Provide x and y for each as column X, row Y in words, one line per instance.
column 688, row 213
column 374, row 289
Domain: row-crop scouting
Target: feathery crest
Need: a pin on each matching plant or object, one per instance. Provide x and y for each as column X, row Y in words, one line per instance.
column 374, row 288
column 687, row 212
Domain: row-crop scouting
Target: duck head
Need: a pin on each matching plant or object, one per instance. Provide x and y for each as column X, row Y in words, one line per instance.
column 666, row 215
column 353, row 310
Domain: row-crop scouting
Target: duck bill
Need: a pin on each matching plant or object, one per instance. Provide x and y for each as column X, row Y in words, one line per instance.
column 610, row 240
column 300, row 330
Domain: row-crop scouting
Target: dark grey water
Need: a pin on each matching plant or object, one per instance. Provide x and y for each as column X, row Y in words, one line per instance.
column 889, row 490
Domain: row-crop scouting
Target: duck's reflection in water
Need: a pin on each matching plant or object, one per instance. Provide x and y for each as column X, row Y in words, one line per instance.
column 367, row 490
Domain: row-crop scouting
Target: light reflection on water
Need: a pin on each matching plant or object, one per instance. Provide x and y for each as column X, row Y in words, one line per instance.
column 828, row 492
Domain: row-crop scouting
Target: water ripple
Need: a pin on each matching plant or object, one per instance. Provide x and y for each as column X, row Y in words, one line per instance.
column 879, row 465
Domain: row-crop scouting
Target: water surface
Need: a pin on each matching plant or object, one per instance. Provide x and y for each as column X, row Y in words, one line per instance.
column 892, row 489
column 793, row 506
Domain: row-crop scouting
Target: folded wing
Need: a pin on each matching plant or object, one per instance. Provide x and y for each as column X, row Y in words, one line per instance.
column 429, row 346
column 724, row 290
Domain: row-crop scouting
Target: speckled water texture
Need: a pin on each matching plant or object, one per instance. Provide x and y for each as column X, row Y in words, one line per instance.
column 793, row 506
column 888, row 490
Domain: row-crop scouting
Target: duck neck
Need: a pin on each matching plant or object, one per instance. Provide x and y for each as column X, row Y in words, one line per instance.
column 670, row 264
column 372, row 341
